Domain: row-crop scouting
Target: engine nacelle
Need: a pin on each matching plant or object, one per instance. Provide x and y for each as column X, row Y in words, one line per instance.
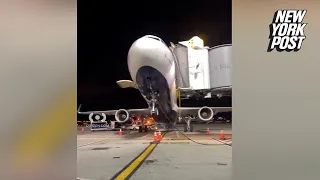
column 205, row 114
column 122, row 116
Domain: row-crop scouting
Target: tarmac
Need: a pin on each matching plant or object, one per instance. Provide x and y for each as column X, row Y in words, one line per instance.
column 105, row 155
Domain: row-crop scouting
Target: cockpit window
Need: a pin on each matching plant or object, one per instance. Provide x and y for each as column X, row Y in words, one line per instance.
column 155, row 37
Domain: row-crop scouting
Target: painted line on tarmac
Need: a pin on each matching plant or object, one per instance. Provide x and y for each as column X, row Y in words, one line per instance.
column 134, row 165
column 223, row 142
column 92, row 143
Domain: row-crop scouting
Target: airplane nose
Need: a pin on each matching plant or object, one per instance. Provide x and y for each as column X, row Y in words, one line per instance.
column 149, row 51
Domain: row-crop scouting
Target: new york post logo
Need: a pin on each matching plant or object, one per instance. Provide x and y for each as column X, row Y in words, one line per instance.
column 287, row 30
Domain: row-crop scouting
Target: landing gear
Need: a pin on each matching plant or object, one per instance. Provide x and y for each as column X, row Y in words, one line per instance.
column 154, row 112
column 188, row 127
column 185, row 128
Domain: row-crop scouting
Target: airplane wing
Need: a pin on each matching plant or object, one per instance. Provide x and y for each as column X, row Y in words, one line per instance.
column 184, row 111
column 113, row 112
column 126, row 84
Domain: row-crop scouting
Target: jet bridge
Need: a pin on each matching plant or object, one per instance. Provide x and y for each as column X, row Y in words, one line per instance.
column 202, row 71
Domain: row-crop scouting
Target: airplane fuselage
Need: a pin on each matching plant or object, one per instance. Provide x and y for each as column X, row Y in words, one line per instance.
column 152, row 67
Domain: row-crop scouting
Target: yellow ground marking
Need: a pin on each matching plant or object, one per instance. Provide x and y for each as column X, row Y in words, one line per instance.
column 52, row 125
column 135, row 164
column 163, row 134
column 124, row 174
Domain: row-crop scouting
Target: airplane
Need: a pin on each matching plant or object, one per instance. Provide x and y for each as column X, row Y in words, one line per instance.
column 151, row 65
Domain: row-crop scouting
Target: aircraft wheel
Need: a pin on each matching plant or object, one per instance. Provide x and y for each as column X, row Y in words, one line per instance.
column 185, row 128
column 191, row 127
column 140, row 128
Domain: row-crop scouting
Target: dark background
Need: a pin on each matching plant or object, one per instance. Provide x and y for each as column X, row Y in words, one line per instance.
column 106, row 31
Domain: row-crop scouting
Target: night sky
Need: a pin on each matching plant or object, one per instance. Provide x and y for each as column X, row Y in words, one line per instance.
column 106, row 31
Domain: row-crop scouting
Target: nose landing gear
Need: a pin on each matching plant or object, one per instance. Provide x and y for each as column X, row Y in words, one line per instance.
column 188, row 127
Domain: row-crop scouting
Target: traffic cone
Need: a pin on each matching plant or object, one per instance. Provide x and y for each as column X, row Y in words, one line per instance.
column 159, row 136
column 82, row 130
column 222, row 134
column 208, row 131
column 155, row 136
column 120, row 132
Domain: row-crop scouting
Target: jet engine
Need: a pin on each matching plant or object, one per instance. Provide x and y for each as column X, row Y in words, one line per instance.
column 205, row 114
column 122, row 116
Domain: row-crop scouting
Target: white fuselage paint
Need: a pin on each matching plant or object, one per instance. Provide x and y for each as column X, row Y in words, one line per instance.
column 152, row 51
